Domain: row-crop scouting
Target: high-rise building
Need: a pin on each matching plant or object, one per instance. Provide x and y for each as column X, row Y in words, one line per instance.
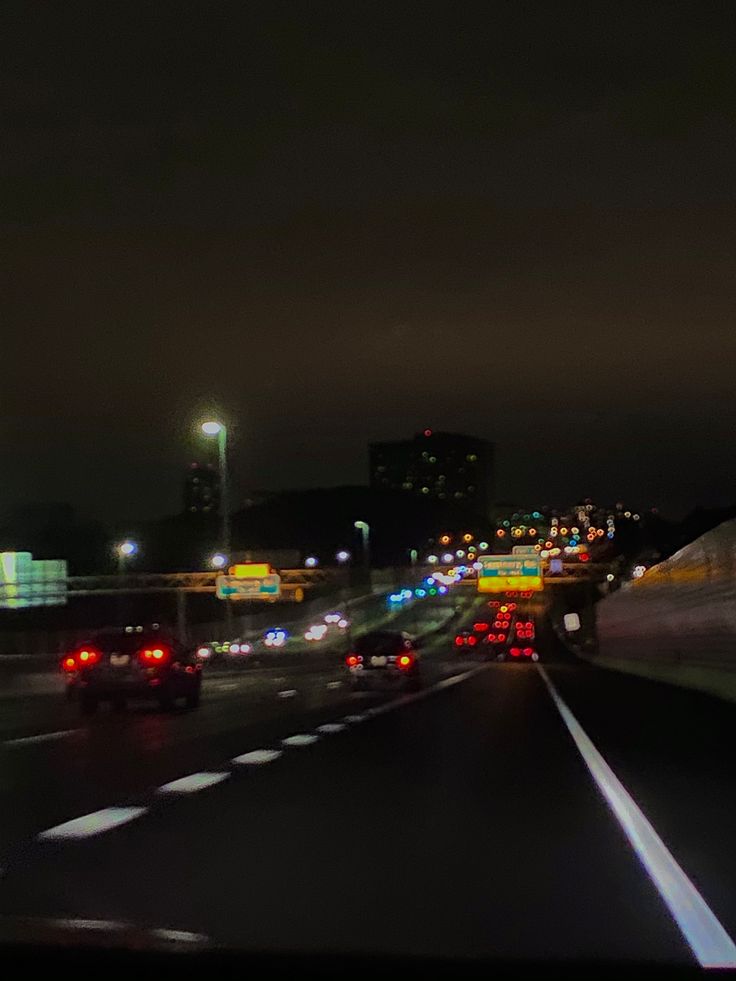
column 444, row 466
column 202, row 489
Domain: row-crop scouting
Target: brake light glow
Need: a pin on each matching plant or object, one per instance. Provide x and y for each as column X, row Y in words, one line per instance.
column 352, row 660
column 87, row 656
column 528, row 651
column 480, row 627
column 515, row 651
column 69, row 664
column 458, row 642
column 154, row 654
column 472, row 641
column 501, row 638
column 405, row 661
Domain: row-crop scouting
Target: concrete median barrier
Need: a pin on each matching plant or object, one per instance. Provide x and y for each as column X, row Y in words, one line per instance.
column 678, row 622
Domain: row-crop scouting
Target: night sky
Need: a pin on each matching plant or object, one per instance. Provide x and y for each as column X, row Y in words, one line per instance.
column 337, row 222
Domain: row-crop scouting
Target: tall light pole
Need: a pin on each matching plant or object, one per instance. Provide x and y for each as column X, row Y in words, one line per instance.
column 365, row 529
column 342, row 557
column 219, row 430
column 124, row 551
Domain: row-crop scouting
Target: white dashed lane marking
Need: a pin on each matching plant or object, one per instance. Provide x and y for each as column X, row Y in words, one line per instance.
column 180, row 936
column 332, row 685
column 288, row 693
column 301, row 739
column 92, row 824
column 42, row 737
column 193, row 783
column 113, row 817
column 257, row 757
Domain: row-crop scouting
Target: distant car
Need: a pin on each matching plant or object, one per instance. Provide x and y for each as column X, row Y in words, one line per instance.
column 467, row 639
column 384, row 658
column 117, row 665
column 516, row 653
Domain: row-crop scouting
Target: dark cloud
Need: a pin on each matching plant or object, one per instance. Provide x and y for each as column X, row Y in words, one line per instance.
column 340, row 225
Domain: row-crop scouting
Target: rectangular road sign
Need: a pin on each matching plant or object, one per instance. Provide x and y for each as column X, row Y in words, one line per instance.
column 523, row 550
column 500, row 573
column 262, row 588
column 26, row 582
column 250, row 570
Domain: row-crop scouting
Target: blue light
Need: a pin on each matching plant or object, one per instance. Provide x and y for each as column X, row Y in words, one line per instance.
column 429, row 581
column 609, row 535
column 406, row 593
column 443, row 590
column 573, row 541
column 421, row 593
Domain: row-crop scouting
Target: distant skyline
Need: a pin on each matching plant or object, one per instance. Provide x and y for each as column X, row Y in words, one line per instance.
column 338, row 224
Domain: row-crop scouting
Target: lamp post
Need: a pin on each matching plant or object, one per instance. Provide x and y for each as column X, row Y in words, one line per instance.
column 124, row 551
column 219, row 430
column 365, row 530
column 214, row 428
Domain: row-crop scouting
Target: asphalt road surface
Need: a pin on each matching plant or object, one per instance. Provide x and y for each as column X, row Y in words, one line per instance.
column 504, row 811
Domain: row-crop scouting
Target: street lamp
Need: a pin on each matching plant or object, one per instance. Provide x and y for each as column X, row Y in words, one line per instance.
column 311, row 562
column 219, row 430
column 124, row 551
column 365, row 529
column 342, row 556
column 218, row 560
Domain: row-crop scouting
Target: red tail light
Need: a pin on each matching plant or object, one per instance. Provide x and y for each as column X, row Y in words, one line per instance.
column 528, row 651
column 515, row 651
column 69, row 664
column 352, row 660
column 480, row 627
column 154, row 655
column 405, row 661
column 87, row 656
column 501, row 638
column 458, row 642
column 512, row 606
column 492, row 638
column 472, row 641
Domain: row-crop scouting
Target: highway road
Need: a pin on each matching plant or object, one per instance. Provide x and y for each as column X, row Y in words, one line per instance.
column 550, row 811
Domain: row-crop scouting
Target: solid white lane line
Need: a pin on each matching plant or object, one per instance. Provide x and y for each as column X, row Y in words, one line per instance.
column 331, row 727
column 332, row 685
column 92, row 824
column 42, row 737
column 301, row 739
column 288, row 693
column 192, row 783
column 355, row 719
column 257, row 757
column 705, row 935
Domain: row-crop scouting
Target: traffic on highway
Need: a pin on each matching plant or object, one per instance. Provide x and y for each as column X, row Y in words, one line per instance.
column 459, row 715
column 367, row 512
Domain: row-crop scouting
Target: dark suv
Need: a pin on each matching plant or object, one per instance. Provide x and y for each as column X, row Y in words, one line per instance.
column 119, row 664
column 384, row 658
